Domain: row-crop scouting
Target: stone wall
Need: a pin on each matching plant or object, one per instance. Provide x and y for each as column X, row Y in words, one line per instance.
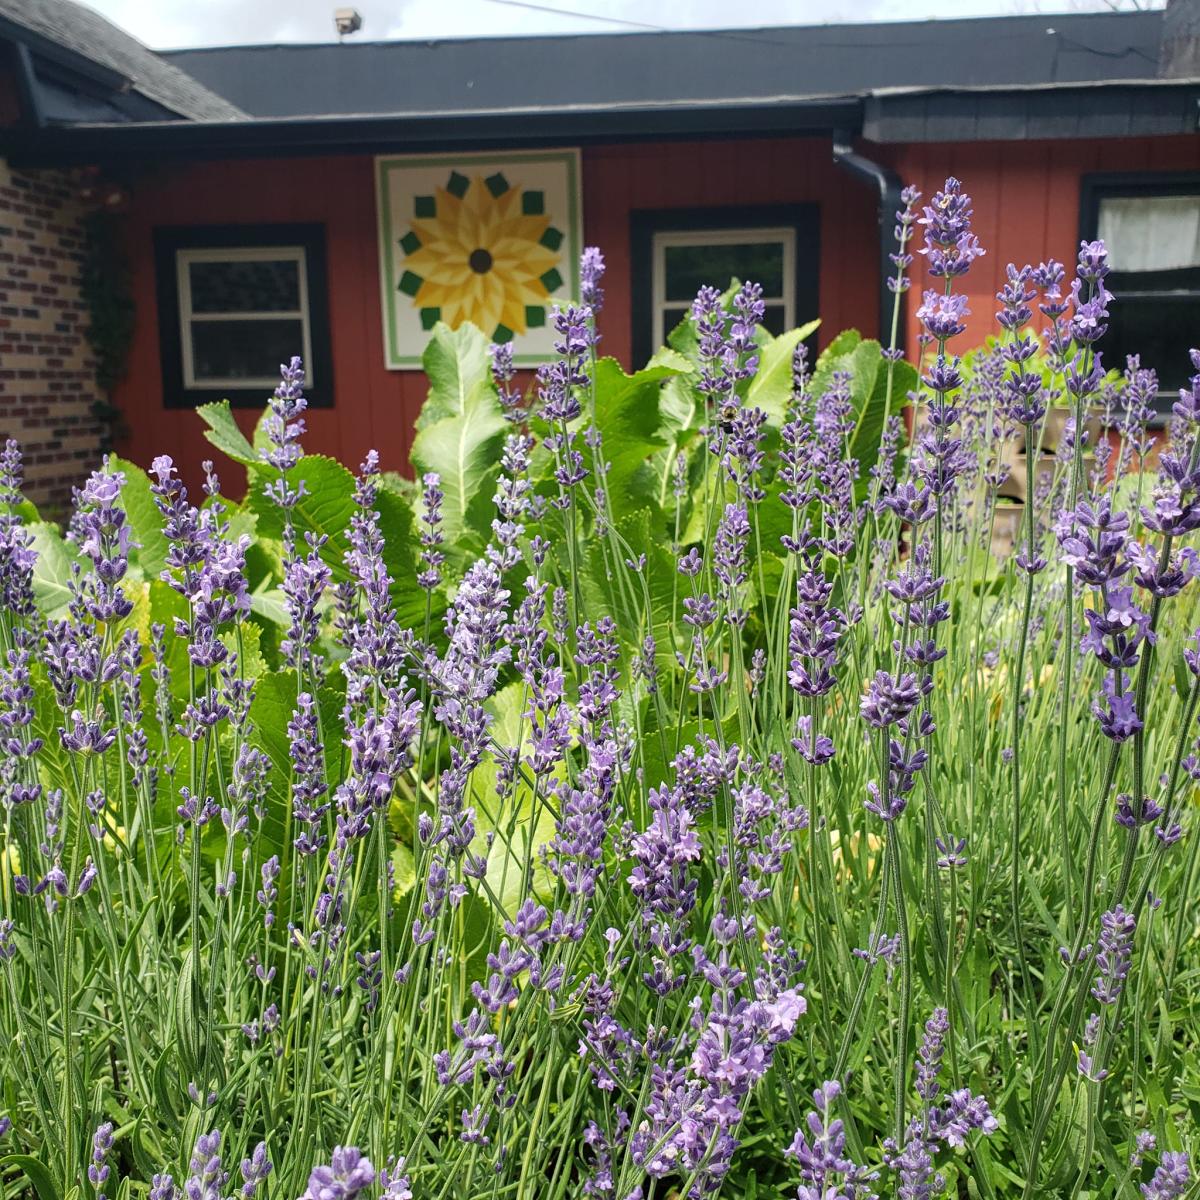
column 47, row 370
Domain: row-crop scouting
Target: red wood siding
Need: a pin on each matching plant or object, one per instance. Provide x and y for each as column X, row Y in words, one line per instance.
column 1026, row 203
column 376, row 407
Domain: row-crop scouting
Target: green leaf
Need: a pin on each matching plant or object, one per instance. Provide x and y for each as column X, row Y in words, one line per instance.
column 271, row 605
column 145, row 521
column 324, row 510
column 460, row 432
column 224, row 433
column 400, row 550
column 630, row 422
column 771, row 387
column 863, row 360
column 52, row 570
column 36, row 1172
column 841, row 345
column 270, row 712
column 458, row 366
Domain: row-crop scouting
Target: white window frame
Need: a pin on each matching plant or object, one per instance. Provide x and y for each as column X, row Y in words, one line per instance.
column 183, row 275
column 662, row 239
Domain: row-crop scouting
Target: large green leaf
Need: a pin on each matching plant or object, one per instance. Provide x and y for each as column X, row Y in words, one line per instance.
column 630, row 424
column 398, row 525
column 325, row 508
column 145, row 520
column 270, row 711
column 224, row 433
column 460, row 432
column 458, row 367
column 52, row 570
column 771, row 387
column 863, row 360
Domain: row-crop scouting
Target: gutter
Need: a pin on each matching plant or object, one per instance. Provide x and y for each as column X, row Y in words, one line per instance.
column 397, row 133
column 889, row 185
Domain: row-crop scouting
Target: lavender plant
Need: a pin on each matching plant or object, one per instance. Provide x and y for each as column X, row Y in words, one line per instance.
column 608, row 813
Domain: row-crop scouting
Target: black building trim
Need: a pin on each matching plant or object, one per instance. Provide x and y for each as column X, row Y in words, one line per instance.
column 803, row 219
column 169, row 239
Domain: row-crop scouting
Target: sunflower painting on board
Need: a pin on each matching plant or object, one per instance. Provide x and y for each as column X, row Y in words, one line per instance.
column 490, row 239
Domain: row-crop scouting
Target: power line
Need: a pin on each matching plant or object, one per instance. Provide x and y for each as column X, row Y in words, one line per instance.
column 566, row 12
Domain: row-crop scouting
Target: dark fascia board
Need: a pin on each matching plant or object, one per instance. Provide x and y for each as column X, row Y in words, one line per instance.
column 396, row 133
column 1121, row 109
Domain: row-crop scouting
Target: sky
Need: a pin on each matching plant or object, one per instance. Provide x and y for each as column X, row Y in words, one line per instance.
column 171, row 24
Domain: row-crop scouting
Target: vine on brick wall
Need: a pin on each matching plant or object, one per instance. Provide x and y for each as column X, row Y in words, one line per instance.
column 109, row 297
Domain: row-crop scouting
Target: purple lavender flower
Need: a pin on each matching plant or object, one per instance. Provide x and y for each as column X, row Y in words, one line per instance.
column 827, row 1170
column 98, row 1170
column 902, row 258
column 503, row 374
column 1115, row 956
column 17, row 556
column 255, row 1169
column 206, row 1177
column 1171, row 1178
column 349, row 1172
column 591, row 271
column 950, row 246
column 431, row 531
column 162, row 1187
column 888, row 700
column 284, row 423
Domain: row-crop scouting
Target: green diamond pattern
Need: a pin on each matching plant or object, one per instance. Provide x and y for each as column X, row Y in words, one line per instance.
column 410, row 243
column 410, row 284
column 457, row 184
column 430, row 317
column 502, row 333
column 551, row 239
column 552, row 280
column 535, row 316
column 497, row 184
column 533, row 204
column 425, row 206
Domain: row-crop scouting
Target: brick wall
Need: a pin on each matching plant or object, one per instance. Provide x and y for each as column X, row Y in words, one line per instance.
column 47, row 372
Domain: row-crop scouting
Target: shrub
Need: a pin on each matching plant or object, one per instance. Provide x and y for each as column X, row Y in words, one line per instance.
column 682, row 788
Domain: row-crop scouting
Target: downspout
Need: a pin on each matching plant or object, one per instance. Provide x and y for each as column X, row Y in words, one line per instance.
column 889, row 186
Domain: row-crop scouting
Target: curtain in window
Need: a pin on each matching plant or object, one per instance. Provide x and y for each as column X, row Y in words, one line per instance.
column 1151, row 233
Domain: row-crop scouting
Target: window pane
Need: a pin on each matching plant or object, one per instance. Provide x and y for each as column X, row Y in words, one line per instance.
column 1151, row 233
column 219, row 287
column 689, row 268
column 243, row 349
column 672, row 315
column 1161, row 329
column 775, row 319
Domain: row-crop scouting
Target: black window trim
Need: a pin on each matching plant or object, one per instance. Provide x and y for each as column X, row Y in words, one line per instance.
column 168, row 239
column 1183, row 283
column 803, row 219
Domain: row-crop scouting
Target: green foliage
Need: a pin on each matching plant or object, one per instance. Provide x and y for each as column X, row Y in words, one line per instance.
column 460, row 433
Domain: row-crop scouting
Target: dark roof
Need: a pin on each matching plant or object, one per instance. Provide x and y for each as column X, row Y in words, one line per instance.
column 132, row 82
column 472, row 75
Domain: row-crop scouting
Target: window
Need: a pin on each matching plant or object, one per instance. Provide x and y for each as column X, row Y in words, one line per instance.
column 676, row 252
column 1151, row 226
column 234, row 303
column 685, row 261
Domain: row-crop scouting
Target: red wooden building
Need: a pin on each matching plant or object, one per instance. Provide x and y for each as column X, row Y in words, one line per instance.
column 240, row 189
